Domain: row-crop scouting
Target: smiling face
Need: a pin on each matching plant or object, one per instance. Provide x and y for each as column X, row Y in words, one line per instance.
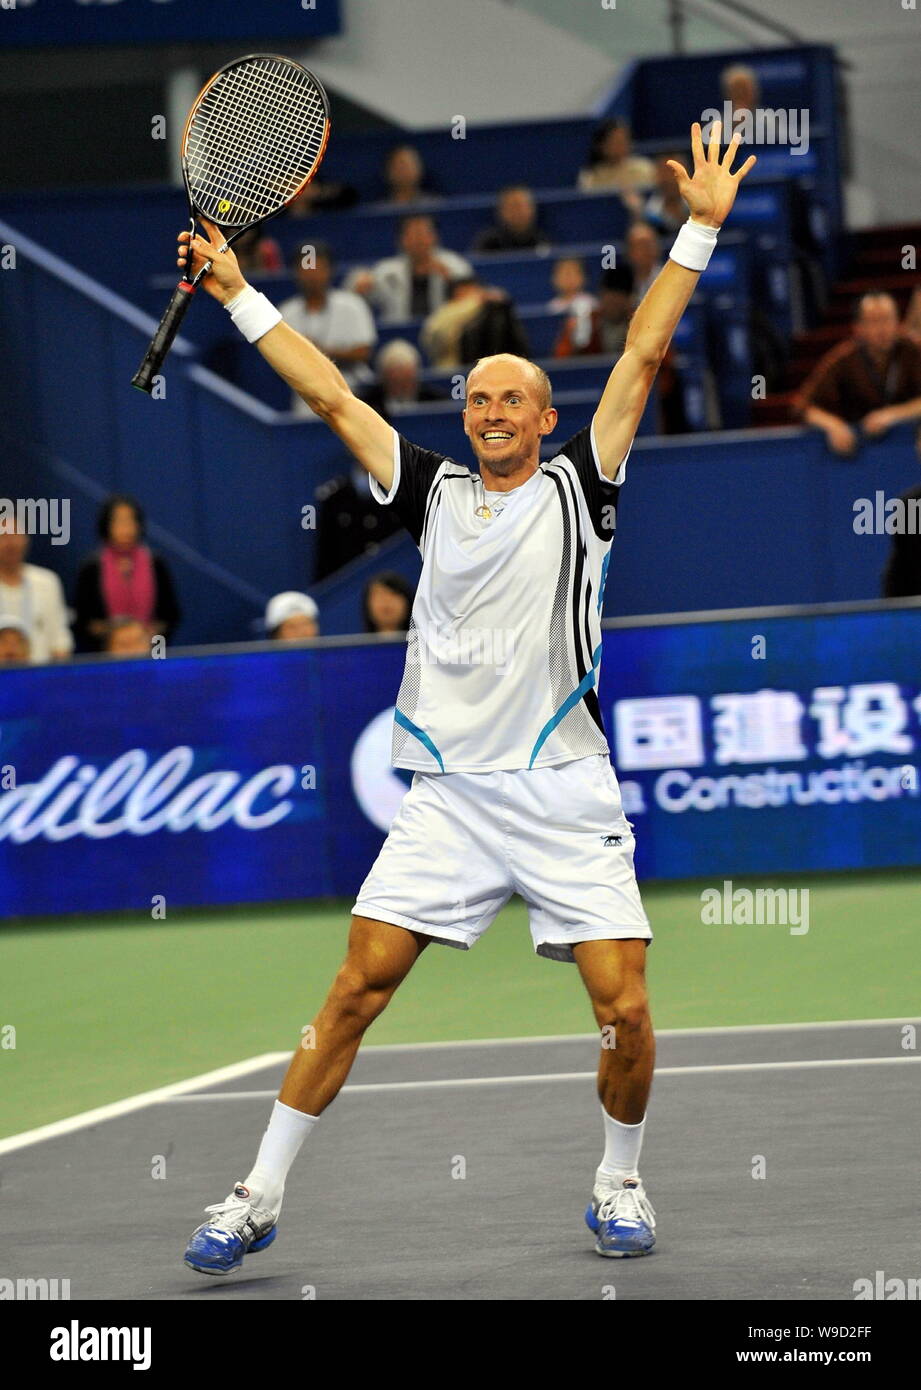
column 507, row 415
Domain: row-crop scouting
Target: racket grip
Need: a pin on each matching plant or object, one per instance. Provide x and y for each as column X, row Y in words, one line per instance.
column 162, row 340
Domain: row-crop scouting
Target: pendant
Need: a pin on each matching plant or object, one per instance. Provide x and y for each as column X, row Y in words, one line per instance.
column 483, row 512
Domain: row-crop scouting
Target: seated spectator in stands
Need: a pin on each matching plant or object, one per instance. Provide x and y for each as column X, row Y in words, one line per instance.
column 477, row 321
column 871, row 382
column 34, row 595
column 123, row 579
column 665, row 209
column 741, row 93
column 414, row 282
column 398, row 386
column 349, row 522
column 515, row 227
column 612, row 165
column 387, row 602
column 338, row 322
column 14, row 640
column 644, row 255
column 569, row 280
column 605, row 330
column 258, row 254
column 127, row 637
column 404, row 174
column 902, row 575
column 292, row 617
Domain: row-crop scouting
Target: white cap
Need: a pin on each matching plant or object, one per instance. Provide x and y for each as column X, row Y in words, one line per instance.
column 290, row 604
column 9, row 620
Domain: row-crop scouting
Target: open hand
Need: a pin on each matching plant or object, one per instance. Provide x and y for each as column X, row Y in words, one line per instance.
column 712, row 190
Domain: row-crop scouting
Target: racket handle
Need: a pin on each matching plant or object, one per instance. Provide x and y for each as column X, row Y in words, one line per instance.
column 162, row 340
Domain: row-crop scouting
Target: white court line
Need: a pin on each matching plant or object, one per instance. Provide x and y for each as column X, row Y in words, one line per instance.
column 708, row 1070
column 112, row 1111
column 124, row 1107
column 660, row 1033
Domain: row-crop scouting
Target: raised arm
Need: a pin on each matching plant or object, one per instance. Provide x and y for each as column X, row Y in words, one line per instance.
column 709, row 194
column 307, row 370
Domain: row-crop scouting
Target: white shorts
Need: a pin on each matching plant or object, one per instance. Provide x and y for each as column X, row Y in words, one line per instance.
column 462, row 843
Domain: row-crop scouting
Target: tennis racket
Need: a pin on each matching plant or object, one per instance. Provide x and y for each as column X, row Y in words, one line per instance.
column 253, row 140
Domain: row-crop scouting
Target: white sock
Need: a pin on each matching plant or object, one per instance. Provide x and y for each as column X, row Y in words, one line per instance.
column 280, row 1146
column 622, row 1144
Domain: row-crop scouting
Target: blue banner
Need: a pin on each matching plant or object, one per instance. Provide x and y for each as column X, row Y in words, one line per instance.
column 743, row 746
column 60, row 23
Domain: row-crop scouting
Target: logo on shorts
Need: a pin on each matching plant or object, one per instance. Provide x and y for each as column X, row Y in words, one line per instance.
column 611, row 839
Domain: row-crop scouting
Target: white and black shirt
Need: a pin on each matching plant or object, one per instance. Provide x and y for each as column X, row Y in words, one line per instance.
column 504, row 646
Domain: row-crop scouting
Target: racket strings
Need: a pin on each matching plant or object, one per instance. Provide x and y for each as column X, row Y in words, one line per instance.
column 254, row 141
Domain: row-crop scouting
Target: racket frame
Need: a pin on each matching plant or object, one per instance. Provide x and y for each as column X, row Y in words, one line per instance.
column 178, row 306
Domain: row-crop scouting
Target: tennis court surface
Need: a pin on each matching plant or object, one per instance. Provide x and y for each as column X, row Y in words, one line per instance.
column 461, row 1171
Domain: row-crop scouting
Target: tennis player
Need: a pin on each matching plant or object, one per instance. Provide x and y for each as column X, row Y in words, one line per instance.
column 497, row 716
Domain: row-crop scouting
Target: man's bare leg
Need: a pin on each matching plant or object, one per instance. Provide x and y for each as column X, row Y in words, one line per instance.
column 614, row 973
column 379, row 958
column 620, row 1214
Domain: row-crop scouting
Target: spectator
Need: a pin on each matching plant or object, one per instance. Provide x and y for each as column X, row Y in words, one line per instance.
column 398, row 386
column 608, row 321
column 665, row 209
column 33, row 595
column 336, row 321
column 612, row 165
column 741, row 95
column 14, row 640
column 871, row 381
column 569, row 280
column 477, row 321
column 404, row 173
column 902, row 575
column 349, row 522
column 127, row 637
column 515, row 227
column 387, row 603
column 414, row 282
column 292, row 617
column 258, row 254
column 123, row 579
column 644, row 256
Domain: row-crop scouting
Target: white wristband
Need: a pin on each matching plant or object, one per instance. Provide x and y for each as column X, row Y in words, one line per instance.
column 252, row 313
column 694, row 245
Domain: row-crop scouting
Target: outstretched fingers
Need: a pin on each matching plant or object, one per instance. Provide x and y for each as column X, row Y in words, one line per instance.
column 697, row 145
column 716, row 135
column 731, row 151
column 750, row 163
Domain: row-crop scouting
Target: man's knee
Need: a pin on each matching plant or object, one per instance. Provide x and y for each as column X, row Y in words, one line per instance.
column 625, row 1008
column 368, row 977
